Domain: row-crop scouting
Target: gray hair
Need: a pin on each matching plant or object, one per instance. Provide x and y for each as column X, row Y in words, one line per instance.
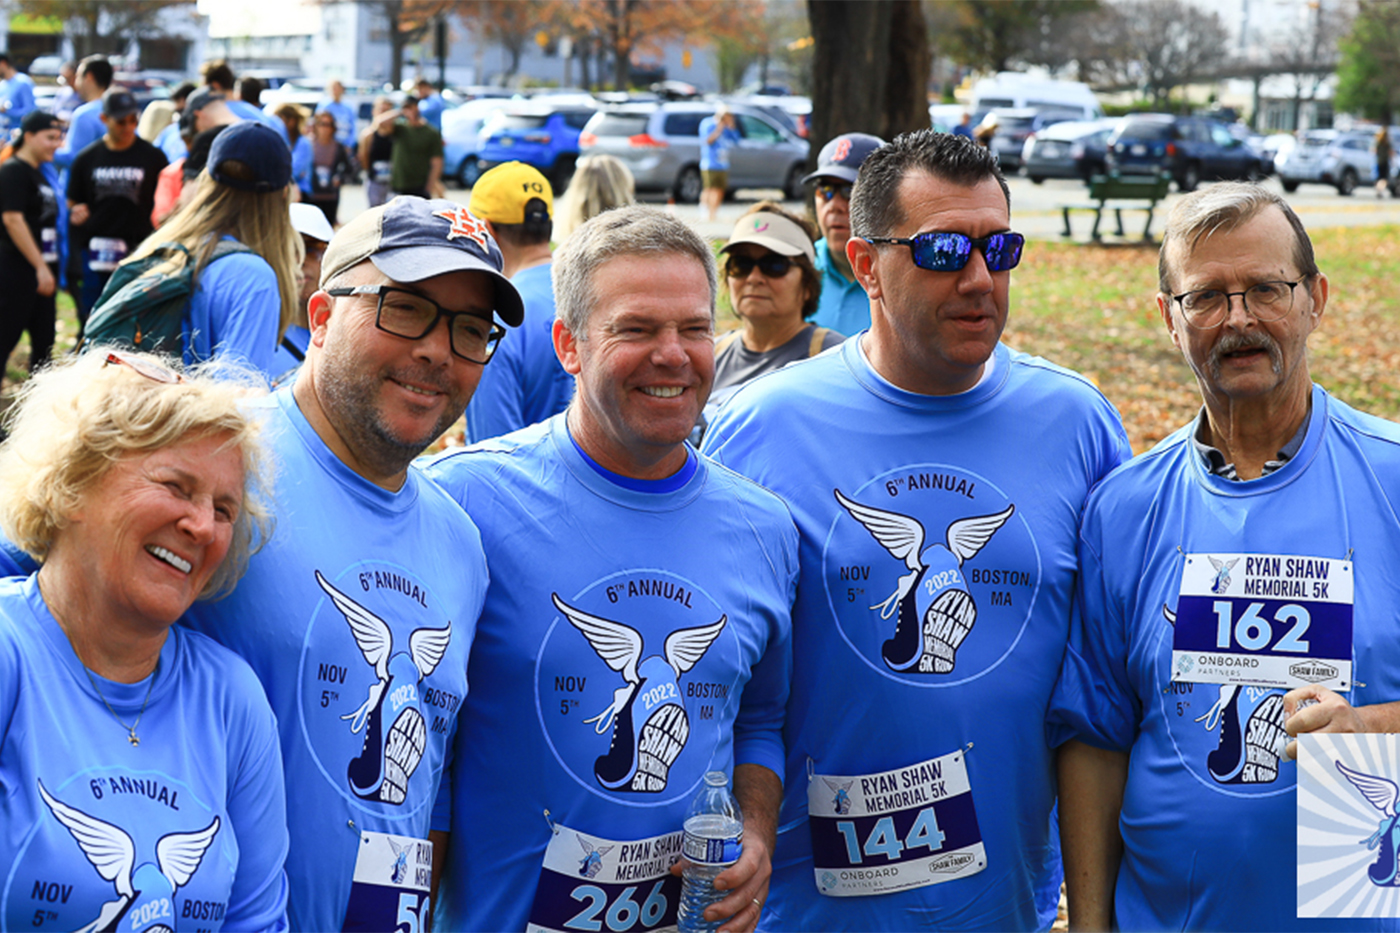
column 624, row 231
column 1227, row 206
column 875, row 206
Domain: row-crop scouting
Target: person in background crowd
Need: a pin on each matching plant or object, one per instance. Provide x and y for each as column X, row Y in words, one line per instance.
column 316, row 232
column 621, row 557
column 964, row 127
column 86, row 127
column 155, row 119
column 773, row 284
column 417, row 157
column 373, row 569
column 341, row 112
column 376, row 155
column 430, row 103
column 525, row 382
column 250, row 91
column 950, row 471
column 67, row 99
column 600, row 183
column 237, row 231
column 718, row 134
column 174, row 187
column 29, row 241
column 1385, row 150
column 142, row 491
column 220, row 79
column 205, row 109
column 111, row 196
column 16, row 92
column 986, row 130
column 330, row 167
column 843, row 306
column 294, row 118
column 171, row 140
column 1177, row 801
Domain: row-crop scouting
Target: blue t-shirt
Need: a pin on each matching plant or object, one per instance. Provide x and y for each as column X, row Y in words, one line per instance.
column 431, row 108
column 301, row 163
column 246, row 111
column 524, row 382
column 344, row 121
column 714, row 156
column 18, row 92
column 1209, row 819
column 189, row 828
column 84, row 130
column 933, row 607
column 235, row 311
column 843, row 305
column 617, row 621
column 357, row 618
column 285, row 362
column 171, row 143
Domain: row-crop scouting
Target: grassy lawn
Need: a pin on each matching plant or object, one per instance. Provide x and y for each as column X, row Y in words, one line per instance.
column 1093, row 309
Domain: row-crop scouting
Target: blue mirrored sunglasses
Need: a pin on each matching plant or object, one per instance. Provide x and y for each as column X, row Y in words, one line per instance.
column 949, row 252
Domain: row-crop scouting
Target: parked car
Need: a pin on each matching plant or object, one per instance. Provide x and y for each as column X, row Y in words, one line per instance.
column 1189, row 149
column 660, row 143
column 1013, row 89
column 538, row 133
column 1014, row 126
column 462, row 139
column 1331, row 157
column 1072, row 149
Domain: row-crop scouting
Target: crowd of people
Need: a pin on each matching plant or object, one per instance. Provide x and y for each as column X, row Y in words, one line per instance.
column 910, row 591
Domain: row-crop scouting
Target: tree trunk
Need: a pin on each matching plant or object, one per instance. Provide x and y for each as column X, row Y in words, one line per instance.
column 870, row 69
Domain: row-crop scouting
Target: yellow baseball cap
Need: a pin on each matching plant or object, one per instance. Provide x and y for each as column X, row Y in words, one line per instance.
column 500, row 194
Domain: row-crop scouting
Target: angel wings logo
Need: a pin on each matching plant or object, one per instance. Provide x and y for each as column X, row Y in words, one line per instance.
column 841, row 801
column 391, row 717
column 933, row 610
column 648, row 718
column 592, row 861
column 1381, row 793
column 145, row 892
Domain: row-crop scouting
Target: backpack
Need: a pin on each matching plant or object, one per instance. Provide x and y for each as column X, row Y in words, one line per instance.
column 142, row 309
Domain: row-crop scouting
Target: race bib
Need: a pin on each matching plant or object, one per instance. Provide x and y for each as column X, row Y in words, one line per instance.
column 900, row 829
column 105, row 253
column 1270, row 620
column 380, row 171
column 48, row 244
column 323, row 176
column 588, row 883
column 393, row 876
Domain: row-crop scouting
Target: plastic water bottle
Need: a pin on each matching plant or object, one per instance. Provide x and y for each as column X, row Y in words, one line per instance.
column 713, row 839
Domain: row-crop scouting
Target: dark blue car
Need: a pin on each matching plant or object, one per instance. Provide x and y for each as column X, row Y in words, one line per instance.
column 540, row 135
column 1189, row 149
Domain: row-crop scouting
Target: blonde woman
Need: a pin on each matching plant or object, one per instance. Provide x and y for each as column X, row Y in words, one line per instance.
column 238, row 216
column 600, row 183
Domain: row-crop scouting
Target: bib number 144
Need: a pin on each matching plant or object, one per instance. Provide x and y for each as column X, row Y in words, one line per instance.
column 884, row 838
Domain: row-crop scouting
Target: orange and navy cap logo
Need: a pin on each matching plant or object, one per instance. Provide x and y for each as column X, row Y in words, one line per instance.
column 465, row 225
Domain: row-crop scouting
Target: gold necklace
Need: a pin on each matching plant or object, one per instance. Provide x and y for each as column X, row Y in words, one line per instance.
column 131, row 729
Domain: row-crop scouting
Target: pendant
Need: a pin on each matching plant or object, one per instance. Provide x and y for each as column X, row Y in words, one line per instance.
column 132, row 737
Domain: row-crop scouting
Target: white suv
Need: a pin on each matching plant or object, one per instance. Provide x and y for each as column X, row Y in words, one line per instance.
column 1331, row 157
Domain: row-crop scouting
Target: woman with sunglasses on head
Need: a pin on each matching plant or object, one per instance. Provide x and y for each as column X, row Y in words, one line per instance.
column 141, row 770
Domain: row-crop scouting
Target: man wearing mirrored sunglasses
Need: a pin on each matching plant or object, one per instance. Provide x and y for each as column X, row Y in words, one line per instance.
column 936, row 478
column 843, row 305
column 1237, row 587
column 358, row 613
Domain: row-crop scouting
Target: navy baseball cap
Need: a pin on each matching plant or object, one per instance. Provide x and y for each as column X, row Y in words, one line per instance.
column 118, row 102
column 261, row 148
column 411, row 239
column 841, row 158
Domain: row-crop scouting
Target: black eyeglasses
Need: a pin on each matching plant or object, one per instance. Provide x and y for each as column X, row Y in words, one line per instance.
column 1209, row 307
column 950, row 252
column 412, row 316
column 771, row 265
column 827, row 190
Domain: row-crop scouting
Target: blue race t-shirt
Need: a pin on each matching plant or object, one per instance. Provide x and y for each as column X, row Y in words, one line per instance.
column 937, row 556
column 357, row 618
column 524, row 383
column 630, row 642
column 1210, row 811
column 85, row 129
column 234, row 312
column 714, row 156
column 18, row 93
column 843, row 305
column 186, row 831
column 344, row 121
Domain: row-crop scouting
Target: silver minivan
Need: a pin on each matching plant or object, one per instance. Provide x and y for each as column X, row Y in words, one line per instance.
column 660, row 143
column 1331, row 157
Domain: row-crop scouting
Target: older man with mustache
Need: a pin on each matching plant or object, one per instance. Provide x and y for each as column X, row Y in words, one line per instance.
column 1236, row 587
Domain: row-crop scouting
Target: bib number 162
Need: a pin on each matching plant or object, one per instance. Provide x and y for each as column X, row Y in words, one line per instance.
column 1251, row 631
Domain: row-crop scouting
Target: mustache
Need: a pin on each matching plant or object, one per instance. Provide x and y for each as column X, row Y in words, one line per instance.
column 1234, row 342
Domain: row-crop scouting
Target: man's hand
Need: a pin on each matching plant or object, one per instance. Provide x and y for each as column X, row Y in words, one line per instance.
column 78, row 214
column 46, row 281
column 1317, row 709
column 747, row 883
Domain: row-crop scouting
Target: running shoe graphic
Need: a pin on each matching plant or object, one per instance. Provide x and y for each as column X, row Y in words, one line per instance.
column 389, row 757
column 649, row 722
column 1251, row 735
column 1380, row 793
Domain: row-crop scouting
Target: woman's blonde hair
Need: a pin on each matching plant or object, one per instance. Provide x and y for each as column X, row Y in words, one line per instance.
column 78, row 416
column 600, row 183
column 260, row 221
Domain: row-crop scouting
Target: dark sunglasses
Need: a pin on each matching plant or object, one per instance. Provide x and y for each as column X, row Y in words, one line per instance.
column 771, row 265
column 827, row 190
column 950, row 252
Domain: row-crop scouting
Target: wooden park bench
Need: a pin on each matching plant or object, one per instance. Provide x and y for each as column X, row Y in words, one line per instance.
column 1120, row 193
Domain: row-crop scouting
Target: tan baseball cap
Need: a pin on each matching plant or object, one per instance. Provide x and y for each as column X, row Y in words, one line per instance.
column 772, row 231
